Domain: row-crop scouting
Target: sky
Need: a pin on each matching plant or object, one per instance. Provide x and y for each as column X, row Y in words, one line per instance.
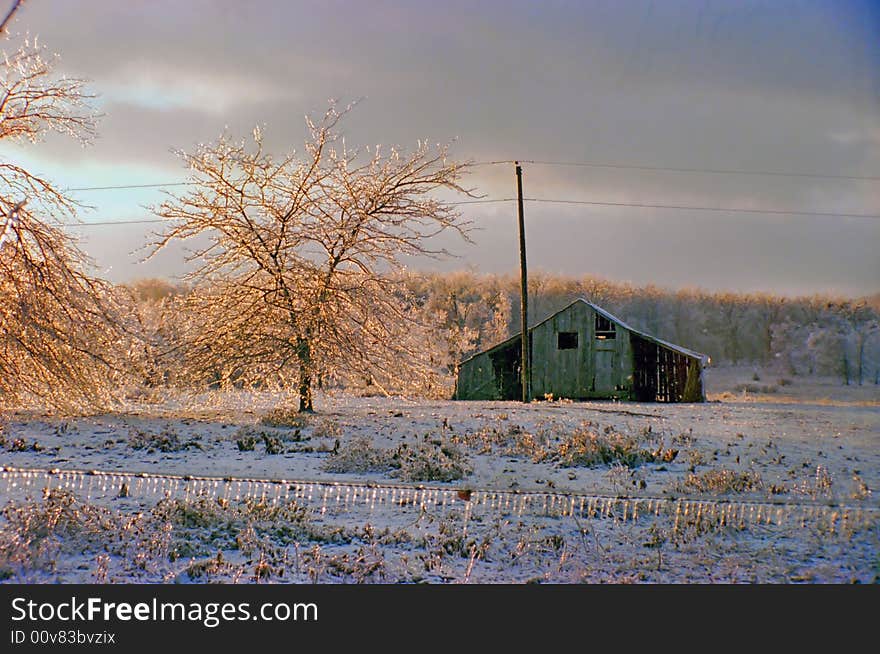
column 706, row 85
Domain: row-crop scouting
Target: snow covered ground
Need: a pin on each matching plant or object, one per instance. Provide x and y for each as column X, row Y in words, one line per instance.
column 808, row 451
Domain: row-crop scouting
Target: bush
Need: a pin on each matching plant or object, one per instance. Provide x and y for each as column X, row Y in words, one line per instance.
column 433, row 461
column 273, row 444
column 246, row 443
column 755, row 388
column 284, row 417
column 359, row 456
column 589, row 448
column 167, row 440
column 327, row 428
column 247, row 438
column 722, row 481
column 429, row 461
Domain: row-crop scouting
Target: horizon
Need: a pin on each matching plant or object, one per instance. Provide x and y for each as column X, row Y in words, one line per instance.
column 870, row 298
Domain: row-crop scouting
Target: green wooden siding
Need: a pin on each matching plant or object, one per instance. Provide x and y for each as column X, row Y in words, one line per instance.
column 594, row 369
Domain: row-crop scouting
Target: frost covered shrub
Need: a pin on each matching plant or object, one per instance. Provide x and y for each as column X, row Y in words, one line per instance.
column 429, row 461
column 199, row 526
column 246, row 438
column 167, row 440
column 219, row 513
column 327, row 428
column 819, row 485
column 588, row 448
column 434, row 461
column 536, row 447
column 509, row 439
column 246, row 442
column 721, row 481
column 359, row 456
column 273, row 444
column 35, row 533
column 755, row 388
column 284, row 417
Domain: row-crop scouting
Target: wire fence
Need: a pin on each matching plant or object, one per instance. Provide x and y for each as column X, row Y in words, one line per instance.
column 339, row 497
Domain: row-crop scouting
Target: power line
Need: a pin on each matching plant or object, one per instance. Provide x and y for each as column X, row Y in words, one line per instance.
column 696, row 208
column 542, row 162
column 711, row 171
column 481, row 201
column 641, row 205
column 143, row 221
column 636, row 205
column 129, row 186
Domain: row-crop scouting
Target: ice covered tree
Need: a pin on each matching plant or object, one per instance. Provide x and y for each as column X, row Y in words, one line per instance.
column 59, row 327
column 295, row 276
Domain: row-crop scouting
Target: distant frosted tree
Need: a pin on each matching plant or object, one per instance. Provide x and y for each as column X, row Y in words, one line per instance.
column 870, row 354
column 299, row 279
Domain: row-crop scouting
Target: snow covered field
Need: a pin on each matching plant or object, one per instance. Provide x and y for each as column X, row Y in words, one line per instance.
column 767, row 487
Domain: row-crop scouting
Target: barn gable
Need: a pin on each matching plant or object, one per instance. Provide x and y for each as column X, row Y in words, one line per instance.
column 585, row 352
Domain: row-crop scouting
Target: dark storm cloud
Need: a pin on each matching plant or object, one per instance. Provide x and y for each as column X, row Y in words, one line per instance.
column 745, row 85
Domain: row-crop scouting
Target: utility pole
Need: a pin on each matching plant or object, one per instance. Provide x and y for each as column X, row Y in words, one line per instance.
column 525, row 367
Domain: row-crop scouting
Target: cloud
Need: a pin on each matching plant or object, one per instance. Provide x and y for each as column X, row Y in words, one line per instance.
column 163, row 87
column 745, row 85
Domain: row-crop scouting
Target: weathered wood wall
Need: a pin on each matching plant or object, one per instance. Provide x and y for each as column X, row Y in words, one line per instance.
column 622, row 364
column 663, row 374
column 491, row 375
column 596, row 369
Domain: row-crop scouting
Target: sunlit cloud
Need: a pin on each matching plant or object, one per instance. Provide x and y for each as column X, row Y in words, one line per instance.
column 154, row 86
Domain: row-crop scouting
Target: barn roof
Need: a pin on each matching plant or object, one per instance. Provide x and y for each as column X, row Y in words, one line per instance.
column 677, row 348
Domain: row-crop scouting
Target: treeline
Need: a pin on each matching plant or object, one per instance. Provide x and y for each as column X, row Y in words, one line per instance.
column 465, row 312
column 815, row 335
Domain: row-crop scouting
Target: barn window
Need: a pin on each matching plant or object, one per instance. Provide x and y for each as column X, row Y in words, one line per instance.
column 567, row 340
column 604, row 328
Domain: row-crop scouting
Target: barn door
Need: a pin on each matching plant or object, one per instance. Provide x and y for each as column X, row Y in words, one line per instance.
column 604, row 371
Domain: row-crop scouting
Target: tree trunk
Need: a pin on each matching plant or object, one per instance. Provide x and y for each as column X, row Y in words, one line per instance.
column 861, row 356
column 304, row 356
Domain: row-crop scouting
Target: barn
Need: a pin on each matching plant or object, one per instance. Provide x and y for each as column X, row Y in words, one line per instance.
column 583, row 352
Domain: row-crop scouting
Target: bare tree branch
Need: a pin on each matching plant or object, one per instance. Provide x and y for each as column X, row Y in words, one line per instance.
column 61, row 331
column 303, row 258
column 15, row 7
